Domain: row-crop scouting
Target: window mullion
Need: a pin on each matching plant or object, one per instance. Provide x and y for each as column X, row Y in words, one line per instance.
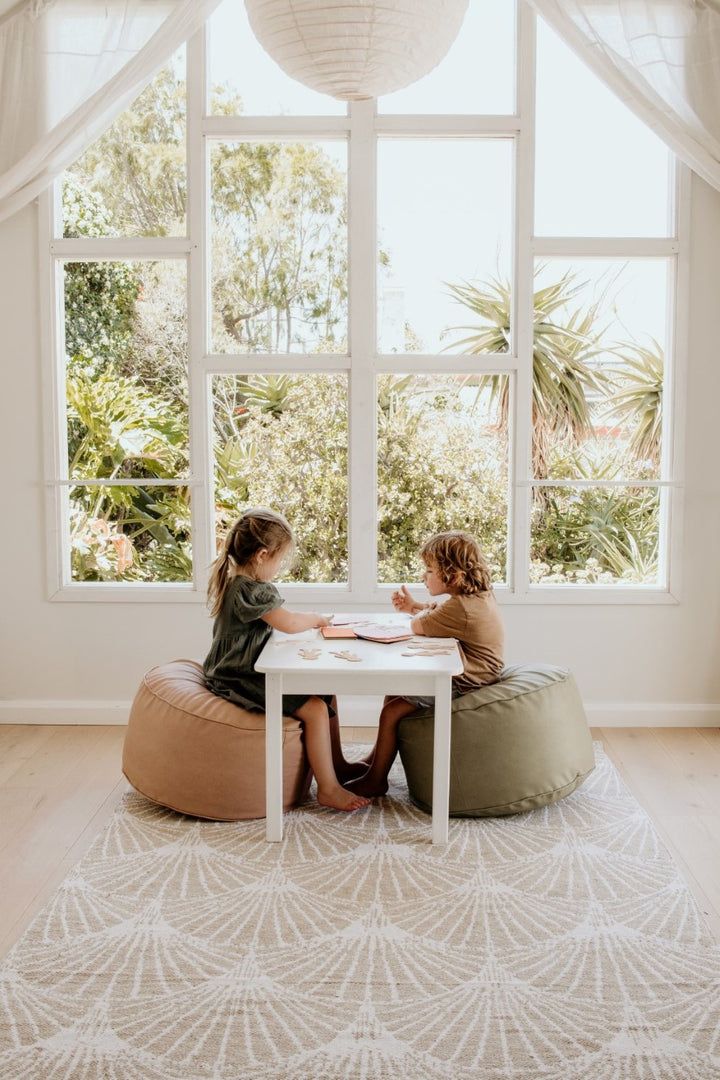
column 522, row 309
column 202, row 499
column 362, row 215
column 51, row 294
column 672, row 467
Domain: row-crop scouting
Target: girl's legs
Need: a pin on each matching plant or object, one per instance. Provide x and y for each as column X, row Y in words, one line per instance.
column 375, row 780
column 314, row 716
column 344, row 770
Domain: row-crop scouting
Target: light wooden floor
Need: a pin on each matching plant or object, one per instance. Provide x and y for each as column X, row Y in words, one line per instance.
column 60, row 785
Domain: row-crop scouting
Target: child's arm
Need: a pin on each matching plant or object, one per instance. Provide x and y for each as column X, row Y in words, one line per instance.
column 443, row 621
column 292, row 622
column 403, row 600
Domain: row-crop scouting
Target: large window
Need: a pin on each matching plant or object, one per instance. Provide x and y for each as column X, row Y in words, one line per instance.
column 454, row 307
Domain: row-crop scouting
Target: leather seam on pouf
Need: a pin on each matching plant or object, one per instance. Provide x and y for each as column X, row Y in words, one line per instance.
column 207, row 719
column 175, row 809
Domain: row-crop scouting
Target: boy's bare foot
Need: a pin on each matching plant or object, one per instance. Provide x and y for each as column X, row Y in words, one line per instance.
column 340, row 799
column 352, row 770
column 368, row 787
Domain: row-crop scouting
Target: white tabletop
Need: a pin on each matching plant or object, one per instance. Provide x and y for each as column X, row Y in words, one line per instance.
column 281, row 654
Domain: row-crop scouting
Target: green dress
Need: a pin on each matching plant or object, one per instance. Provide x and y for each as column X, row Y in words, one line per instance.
column 239, row 635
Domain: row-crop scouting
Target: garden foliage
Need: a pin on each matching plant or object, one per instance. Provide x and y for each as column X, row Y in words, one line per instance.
column 279, row 284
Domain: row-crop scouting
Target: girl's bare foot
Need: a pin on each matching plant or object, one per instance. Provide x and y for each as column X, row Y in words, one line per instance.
column 340, row 799
column 368, row 787
column 351, row 770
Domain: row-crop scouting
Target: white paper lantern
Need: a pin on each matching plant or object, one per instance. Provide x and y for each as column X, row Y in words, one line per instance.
column 352, row 49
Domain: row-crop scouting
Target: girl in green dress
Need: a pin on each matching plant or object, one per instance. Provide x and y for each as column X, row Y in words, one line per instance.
column 247, row 606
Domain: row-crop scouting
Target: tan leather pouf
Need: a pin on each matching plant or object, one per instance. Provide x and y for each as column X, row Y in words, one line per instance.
column 189, row 750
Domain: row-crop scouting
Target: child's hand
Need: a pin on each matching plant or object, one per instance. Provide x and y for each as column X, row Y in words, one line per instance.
column 321, row 620
column 403, row 601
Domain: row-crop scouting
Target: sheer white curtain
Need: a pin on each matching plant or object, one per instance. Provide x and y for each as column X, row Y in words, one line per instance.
column 67, row 68
column 661, row 57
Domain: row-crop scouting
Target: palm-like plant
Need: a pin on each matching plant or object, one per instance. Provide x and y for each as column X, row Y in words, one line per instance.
column 563, row 377
column 269, row 393
column 637, row 398
column 394, row 408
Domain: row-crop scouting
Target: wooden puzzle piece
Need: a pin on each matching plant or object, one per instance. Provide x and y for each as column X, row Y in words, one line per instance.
column 418, row 643
column 428, row 652
column 431, row 647
column 309, row 654
column 346, row 655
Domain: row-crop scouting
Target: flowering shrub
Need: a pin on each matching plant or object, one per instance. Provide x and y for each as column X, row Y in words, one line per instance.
column 100, row 550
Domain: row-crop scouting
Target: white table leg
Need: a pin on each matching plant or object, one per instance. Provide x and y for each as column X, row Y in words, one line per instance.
column 441, row 760
column 273, row 758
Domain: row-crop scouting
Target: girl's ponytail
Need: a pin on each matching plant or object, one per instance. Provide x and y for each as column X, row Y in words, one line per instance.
column 257, row 529
column 220, row 576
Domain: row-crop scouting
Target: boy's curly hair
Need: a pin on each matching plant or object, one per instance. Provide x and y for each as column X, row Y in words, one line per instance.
column 459, row 561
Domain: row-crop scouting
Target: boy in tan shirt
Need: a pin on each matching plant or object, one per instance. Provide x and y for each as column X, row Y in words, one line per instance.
column 454, row 566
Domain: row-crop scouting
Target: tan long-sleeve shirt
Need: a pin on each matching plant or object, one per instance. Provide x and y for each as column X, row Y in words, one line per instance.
column 474, row 621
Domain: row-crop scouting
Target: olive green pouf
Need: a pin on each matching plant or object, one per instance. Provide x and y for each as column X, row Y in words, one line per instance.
column 516, row 745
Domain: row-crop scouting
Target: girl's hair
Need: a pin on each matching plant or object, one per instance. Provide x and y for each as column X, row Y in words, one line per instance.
column 460, row 563
column 256, row 529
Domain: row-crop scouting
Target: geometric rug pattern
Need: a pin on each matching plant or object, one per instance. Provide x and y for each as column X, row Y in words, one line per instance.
column 560, row 944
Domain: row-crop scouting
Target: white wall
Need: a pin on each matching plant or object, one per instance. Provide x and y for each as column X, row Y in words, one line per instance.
column 55, row 656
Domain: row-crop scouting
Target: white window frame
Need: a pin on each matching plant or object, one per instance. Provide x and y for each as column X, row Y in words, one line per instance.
column 362, row 126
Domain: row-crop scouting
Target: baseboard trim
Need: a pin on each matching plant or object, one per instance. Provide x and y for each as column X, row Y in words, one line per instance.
column 652, row 714
column 359, row 712
column 64, row 712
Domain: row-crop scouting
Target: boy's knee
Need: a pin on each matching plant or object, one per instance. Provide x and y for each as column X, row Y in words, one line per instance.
column 395, row 709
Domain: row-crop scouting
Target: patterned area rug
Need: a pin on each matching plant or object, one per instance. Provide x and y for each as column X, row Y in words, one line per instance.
column 560, row 944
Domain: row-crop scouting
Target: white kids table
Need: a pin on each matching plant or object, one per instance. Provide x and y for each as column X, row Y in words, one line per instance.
column 382, row 670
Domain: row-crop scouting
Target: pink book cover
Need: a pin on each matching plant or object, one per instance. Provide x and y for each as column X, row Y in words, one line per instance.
column 337, row 632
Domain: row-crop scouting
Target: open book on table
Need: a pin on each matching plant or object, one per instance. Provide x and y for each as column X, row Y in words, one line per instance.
column 349, row 626
column 384, row 632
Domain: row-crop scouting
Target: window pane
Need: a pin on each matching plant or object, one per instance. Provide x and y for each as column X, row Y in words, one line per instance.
column 279, row 247
column 126, row 369
column 281, row 441
column 246, row 80
column 132, row 181
column 130, row 533
column 595, row 536
column 444, row 213
column 599, row 170
column 600, row 333
column 442, row 464
column 474, row 77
